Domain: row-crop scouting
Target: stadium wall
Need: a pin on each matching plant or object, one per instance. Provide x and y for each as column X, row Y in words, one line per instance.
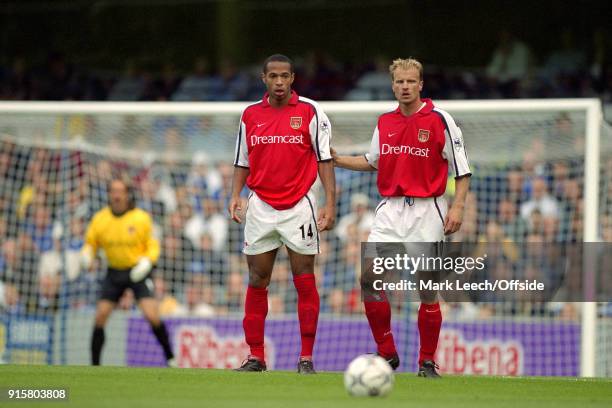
column 496, row 347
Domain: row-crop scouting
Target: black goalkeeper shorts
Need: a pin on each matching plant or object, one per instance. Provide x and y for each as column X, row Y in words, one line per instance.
column 118, row 280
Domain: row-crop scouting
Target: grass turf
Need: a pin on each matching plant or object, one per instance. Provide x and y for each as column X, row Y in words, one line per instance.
column 92, row 387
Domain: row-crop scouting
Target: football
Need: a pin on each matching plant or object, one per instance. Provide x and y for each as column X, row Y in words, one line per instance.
column 368, row 375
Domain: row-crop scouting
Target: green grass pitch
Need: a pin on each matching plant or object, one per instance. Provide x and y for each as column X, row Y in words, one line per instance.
column 116, row 387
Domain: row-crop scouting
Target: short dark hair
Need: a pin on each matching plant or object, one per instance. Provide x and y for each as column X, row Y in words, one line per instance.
column 129, row 188
column 277, row 58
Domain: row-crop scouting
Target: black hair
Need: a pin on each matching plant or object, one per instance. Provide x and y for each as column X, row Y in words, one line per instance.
column 277, row 58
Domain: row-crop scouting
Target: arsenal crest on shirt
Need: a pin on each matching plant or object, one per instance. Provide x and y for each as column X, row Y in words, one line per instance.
column 423, row 135
column 295, row 122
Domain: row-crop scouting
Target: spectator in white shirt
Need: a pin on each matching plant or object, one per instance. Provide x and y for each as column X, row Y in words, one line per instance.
column 540, row 200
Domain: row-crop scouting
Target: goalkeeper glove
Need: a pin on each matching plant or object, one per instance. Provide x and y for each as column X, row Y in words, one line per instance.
column 86, row 257
column 141, row 270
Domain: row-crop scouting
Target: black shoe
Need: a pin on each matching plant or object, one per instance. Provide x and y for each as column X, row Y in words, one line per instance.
column 428, row 369
column 305, row 367
column 393, row 361
column 252, row 365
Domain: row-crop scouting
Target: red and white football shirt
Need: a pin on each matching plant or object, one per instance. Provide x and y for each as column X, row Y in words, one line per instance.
column 281, row 148
column 412, row 153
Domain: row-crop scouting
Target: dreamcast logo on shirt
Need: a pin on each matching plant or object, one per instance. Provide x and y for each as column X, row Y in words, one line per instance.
column 287, row 139
column 404, row 149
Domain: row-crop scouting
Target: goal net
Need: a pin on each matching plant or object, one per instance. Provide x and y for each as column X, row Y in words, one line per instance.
column 542, row 172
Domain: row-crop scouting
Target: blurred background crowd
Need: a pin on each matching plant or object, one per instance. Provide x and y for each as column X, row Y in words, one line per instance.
column 513, row 70
column 48, row 196
column 210, row 50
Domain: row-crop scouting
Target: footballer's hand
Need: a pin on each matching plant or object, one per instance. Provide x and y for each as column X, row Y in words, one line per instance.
column 235, row 209
column 141, row 270
column 334, row 154
column 453, row 220
column 327, row 219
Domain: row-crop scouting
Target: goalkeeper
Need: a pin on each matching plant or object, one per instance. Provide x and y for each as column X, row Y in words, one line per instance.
column 125, row 234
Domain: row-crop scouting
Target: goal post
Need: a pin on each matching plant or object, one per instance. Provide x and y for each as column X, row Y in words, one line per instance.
column 180, row 155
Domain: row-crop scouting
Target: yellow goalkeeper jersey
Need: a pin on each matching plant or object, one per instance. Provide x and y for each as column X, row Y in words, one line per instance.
column 124, row 239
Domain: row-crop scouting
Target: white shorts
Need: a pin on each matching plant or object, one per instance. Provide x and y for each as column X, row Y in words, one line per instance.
column 267, row 228
column 407, row 219
column 416, row 224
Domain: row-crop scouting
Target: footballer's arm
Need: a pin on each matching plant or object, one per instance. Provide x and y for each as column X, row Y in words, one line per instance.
column 238, row 182
column 454, row 217
column 357, row 163
column 327, row 218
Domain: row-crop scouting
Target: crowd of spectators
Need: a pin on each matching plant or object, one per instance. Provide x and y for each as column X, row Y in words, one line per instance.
column 513, row 71
column 48, row 196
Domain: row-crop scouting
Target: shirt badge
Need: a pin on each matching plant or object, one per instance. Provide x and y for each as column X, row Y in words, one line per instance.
column 423, row 135
column 295, row 122
column 457, row 143
column 324, row 127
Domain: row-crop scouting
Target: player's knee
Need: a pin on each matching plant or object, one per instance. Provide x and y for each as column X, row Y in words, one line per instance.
column 150, row 310
column 153, row 317
column 304, row 266
column 302, row 270
column 100, row 320
column 428, row 296
column 103, row 312
column 258, row 280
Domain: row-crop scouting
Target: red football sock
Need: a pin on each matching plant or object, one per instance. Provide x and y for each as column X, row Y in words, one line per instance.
column 308, row 311
column 255, row 311
column 430, row 321
column 379, row 317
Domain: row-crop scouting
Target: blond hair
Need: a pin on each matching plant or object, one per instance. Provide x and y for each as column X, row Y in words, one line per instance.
column 405, row 64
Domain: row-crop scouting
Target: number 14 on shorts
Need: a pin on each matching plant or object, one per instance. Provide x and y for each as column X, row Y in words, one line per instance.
column 306, row 231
